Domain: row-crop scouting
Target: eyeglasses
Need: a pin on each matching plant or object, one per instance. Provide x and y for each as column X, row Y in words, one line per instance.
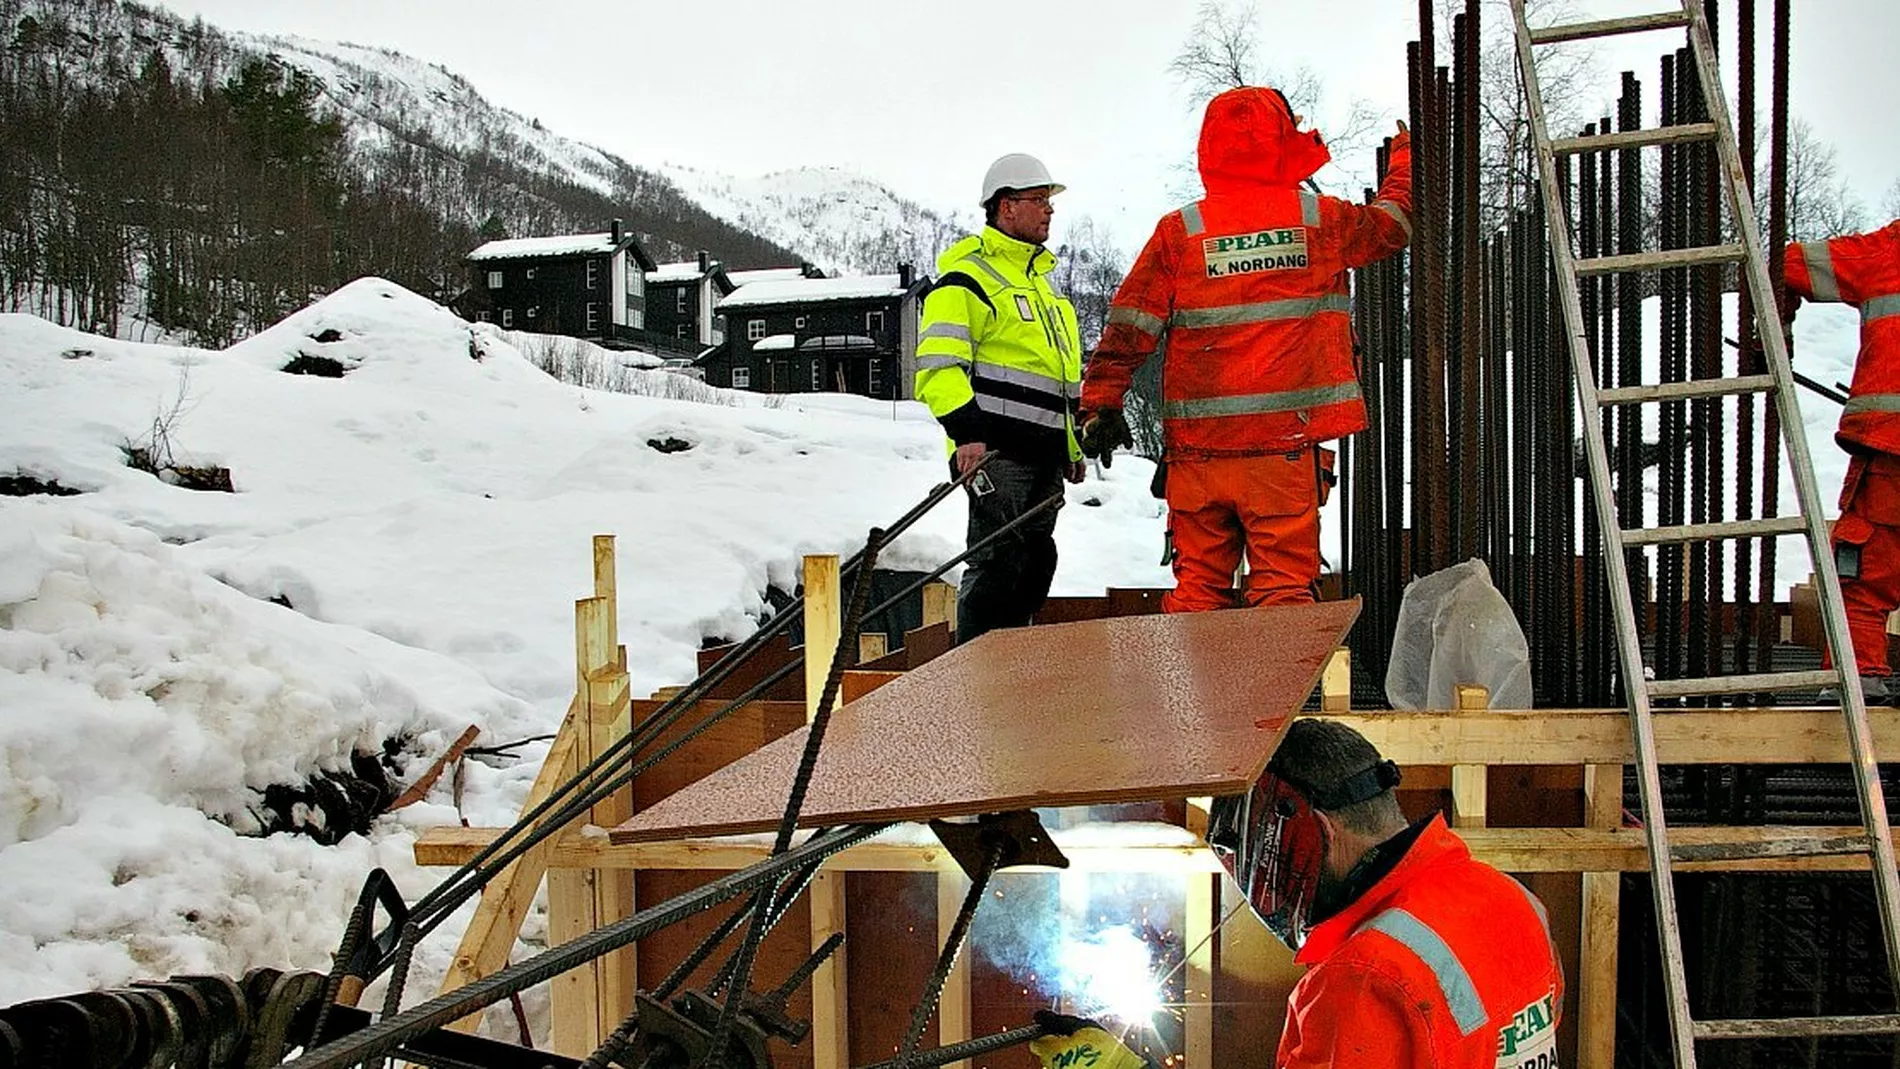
column 1039, row 199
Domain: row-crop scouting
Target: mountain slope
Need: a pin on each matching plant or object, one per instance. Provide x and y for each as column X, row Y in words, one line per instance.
column 830, row 216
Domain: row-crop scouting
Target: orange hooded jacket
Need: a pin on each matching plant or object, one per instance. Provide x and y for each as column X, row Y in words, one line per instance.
column 1862, row 270
column 1248, row 287
column 1445, row 963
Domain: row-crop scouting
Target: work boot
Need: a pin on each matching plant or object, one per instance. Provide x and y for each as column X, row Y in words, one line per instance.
column 1876, row 692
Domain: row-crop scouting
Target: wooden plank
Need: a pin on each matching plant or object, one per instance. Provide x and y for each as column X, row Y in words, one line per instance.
column 830, row 991
column 940, row 605
column 858, row 682
column 872, row 645
column 953, row 1010
column 1601, row 736
column 576, row 898
column 506, row 899
column 1197, row 928
column 1469, row 783
column 1176, row 706
column 1602, row 894
column 419, row 790
column 1335, row 684
column 451, row 846
column 574, row 1016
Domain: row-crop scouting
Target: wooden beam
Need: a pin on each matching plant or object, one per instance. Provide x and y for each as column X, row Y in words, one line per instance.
column 1510, row 849
column 1335, row 682
column 1200, row 893
column 940, row 605
column 504, row 904
column 1601, row 915
column 1601, row 736
column 872, row 645
column 830, row 1003
column 953, row 1008
column 1470, row 783
column 452, row 846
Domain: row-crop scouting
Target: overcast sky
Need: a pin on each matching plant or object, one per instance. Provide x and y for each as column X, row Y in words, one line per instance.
column 923, row 96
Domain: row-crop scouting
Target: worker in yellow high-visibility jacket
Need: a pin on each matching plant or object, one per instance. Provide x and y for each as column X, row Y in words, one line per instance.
column 999, row 362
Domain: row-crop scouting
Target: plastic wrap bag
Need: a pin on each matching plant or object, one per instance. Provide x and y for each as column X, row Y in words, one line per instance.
column 1455, row 628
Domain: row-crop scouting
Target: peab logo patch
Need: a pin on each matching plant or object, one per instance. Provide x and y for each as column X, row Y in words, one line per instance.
column 1530, row 1040
column 1266, row 250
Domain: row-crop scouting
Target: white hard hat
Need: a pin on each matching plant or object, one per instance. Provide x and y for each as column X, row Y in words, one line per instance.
column 1017, row 171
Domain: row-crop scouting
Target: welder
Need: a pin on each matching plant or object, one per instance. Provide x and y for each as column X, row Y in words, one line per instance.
column 1418, row 956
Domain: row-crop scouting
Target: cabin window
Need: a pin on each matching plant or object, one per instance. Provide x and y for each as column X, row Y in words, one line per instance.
column 817, row 374
column 874, row 322
column 532, row 312
column 754, row 329
column 877, row 375
column 593, row 317
column 799, row 323
column 680, row 331
column 679, row 300
column 593, row 273
column 741, row 378
column 494, row 280
column 507, row 317
column 529, row 273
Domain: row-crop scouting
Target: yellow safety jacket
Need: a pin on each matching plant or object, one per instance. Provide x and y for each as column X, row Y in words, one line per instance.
column 999, row 358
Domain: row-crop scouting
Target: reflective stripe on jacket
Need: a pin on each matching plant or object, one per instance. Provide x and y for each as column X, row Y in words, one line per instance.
column 1246, row 292
column 1446, row 963
column 1862, row 270
column 999, row 359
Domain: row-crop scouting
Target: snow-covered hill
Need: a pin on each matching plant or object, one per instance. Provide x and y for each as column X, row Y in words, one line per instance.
column 833, row 217
column 427, row 518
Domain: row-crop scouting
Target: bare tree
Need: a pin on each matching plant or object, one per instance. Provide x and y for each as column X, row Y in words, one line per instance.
column 1819, row 202
column 1890, row 201
column 1221, row 53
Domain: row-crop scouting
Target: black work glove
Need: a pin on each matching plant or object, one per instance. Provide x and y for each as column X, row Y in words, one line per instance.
column 1103, row 432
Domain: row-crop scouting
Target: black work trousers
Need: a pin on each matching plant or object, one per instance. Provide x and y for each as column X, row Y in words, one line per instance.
column 1005, row 582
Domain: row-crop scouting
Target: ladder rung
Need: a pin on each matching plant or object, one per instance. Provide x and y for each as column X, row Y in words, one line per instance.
column 1873, row 1024
column 1644, row 138
column 1757, row 849
column 1709, row 532
column 1576, row 31
column 1772, row 681
column 1683, row 391
column 1666, row 258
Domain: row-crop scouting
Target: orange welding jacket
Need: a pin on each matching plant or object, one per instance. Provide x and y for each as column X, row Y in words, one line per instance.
column 1446, row 963
column 1862, row 270
column 1247, row 291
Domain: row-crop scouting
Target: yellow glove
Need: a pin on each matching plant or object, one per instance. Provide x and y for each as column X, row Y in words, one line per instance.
column 1074, row 1043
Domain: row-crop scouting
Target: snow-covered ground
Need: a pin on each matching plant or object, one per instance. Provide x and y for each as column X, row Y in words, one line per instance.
column 428, row 517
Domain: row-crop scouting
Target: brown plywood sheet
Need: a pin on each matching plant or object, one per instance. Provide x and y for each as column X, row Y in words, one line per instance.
column 1129, row 709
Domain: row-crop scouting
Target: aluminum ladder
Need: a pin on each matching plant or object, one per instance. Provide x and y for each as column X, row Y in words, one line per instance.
column 1778, row 383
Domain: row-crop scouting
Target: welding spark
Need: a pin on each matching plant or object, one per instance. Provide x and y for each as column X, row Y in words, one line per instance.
column 1111, row 972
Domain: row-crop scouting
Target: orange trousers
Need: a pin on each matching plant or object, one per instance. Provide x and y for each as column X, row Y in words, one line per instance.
column 1266, row 507
column 1867, row 540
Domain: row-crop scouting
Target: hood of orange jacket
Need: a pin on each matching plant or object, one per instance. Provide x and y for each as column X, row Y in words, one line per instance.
column 1249, row 140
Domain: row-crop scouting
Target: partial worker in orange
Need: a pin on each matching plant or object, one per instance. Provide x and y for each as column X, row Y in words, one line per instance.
column 1863, row 270
column 1246, row 291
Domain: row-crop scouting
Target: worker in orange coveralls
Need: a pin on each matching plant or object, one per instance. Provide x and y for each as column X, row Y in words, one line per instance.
column 1417, row 955
column 1247, row 290
column 1864, row 270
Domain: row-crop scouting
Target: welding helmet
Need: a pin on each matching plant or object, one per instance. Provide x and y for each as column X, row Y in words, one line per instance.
column 1271, row 841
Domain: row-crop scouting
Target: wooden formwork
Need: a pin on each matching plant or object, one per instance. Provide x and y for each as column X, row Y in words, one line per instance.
column 1536, row 793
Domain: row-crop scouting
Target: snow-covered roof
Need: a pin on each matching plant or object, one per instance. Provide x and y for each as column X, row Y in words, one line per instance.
column 775, row 341
column 683, row 271
column 558, row 245
column 838, row 341
column 765, row 274
column 803, row 290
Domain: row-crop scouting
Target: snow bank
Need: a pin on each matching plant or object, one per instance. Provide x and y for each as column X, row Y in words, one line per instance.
column 427, row 518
